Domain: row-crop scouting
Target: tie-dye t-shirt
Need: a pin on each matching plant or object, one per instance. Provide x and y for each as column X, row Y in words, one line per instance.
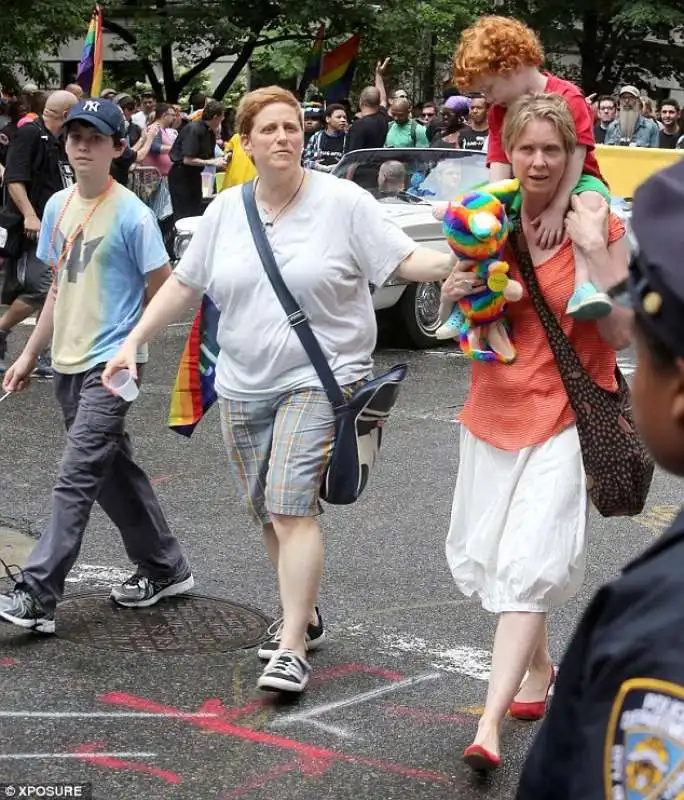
column 101, row 284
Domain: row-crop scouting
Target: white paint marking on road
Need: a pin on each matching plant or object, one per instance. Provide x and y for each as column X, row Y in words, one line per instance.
column 471, row 662
column 355, row 700
column 50, row 756
column 98, row 573
column 337, row 730
column 105, row 715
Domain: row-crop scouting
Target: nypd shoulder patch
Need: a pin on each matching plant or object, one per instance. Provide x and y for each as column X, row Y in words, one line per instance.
column 644, row 752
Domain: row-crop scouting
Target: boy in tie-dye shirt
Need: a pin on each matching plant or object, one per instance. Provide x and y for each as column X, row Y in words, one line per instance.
column 108, row 258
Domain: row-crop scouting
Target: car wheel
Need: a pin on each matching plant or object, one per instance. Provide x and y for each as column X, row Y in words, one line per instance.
column 418, row 311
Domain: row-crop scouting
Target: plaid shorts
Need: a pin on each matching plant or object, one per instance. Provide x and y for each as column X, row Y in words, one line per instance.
column 279, row 450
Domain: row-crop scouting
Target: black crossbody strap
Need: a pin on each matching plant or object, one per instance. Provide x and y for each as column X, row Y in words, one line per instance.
column 561, row 346
column 295, row 315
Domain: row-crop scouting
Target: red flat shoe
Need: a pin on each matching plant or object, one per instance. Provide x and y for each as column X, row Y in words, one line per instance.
column 531, row 712
column 479, row 759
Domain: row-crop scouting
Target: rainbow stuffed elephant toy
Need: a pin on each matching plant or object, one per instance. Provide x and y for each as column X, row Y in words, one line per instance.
column 476, row 228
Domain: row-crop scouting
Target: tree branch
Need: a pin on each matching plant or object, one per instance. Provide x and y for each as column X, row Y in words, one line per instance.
column 236, row 68
column 200, row 66
column 131, row 40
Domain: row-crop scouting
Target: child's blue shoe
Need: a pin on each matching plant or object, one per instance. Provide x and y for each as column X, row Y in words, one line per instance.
column 451, row 329
column 588, row 303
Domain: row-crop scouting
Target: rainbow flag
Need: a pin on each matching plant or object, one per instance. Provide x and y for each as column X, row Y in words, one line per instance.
column 312, row 70
column 337, row 70
column 91, row 66
column 193, row 392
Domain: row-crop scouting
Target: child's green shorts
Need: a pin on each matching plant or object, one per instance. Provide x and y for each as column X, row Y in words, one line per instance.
column 590, row 183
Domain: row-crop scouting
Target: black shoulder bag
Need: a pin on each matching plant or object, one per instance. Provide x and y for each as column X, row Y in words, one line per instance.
column 618, row 467
column 359, row 419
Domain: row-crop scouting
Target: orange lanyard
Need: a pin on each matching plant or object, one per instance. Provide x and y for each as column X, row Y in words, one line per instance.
column 71, row 240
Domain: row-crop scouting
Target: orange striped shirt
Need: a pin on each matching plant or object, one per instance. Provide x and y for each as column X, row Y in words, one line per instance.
column 512, row 406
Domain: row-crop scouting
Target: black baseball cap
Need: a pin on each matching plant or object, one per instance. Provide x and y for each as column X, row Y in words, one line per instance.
column 104, row 115
column 656, row 272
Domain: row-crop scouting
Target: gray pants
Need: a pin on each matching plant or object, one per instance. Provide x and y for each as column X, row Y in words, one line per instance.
column 98, row 465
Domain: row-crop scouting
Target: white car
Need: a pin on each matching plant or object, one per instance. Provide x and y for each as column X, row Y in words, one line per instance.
column 407, row 182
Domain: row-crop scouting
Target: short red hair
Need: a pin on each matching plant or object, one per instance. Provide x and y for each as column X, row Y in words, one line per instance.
column 495, row 46
column 254, row 102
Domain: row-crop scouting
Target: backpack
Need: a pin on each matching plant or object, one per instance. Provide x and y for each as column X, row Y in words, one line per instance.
column 414, row 131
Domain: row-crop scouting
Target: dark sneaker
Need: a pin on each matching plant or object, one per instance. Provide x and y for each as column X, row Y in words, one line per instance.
column 315, row 636
column 3, row 352
column 21, row 607
column 139, row 591
column 285, row 672
column 43, row 367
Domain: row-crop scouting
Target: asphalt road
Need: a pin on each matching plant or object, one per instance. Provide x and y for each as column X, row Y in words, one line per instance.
column 152, row 705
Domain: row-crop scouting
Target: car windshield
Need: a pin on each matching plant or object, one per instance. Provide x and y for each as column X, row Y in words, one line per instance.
column 414, row 175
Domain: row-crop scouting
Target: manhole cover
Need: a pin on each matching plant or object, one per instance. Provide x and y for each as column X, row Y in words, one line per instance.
column 190, row 624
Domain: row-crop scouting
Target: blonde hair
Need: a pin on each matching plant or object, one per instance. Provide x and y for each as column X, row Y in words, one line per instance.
column 254, row 102
column 495, row 46
column 539, row 106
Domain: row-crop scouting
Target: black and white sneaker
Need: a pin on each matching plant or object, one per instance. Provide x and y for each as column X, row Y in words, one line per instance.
column 140, row 591
column 21, row 607
column 285, row 672
column 315, row 636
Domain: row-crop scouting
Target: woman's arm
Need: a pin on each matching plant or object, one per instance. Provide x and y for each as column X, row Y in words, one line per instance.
column 588, row 230
column 425, row 264
column 612, row 260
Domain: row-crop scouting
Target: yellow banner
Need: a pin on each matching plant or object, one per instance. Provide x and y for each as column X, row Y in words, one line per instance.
column 626, row 167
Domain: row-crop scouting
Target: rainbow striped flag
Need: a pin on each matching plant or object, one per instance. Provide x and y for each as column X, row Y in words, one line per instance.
column 337, row 70
column 193, row 392
column 91, row 66
column 312, row 70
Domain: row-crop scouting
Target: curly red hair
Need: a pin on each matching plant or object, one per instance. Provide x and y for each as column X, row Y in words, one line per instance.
column 495, row 46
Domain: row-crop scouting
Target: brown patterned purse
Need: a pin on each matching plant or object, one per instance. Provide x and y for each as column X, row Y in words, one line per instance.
column 618, row 467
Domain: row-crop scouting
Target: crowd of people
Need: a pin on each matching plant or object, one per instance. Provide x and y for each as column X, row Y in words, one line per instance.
column 518, row 532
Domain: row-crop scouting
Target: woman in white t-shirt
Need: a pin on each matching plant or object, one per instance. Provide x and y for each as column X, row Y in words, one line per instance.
column 330, row 239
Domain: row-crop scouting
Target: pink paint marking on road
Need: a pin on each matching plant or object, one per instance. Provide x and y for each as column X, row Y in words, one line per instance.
column 160, row 479
column 423, row 715
column 307, row 767
column 313, row 753
column 322, row 676
column 89, row 754
column 7, row 662
column 339, row 671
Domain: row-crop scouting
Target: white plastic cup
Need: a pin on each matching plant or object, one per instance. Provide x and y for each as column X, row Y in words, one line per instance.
column 122, row 383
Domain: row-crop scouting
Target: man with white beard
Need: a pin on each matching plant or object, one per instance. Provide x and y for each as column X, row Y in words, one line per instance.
column 631, row 128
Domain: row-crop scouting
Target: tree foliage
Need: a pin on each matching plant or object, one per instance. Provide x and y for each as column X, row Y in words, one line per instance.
column 195, row 35
column 31, row 29
column 617, row 41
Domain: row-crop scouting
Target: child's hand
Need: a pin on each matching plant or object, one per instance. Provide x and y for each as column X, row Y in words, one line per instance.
column 550, row 225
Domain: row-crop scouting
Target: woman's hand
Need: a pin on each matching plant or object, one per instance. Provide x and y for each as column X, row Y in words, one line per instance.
column 462, row 282
column 126, row 358
column 586, row 227
column 18, row 375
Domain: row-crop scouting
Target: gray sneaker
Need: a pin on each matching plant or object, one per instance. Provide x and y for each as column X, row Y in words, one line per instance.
column 3, row 352
column 140, row 591
column 22, row 608
column 43, row 367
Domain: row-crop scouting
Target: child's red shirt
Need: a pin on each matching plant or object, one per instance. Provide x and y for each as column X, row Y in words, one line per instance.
column 581, row 113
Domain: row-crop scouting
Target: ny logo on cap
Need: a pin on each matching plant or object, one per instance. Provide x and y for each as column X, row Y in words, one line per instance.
column 91, row 105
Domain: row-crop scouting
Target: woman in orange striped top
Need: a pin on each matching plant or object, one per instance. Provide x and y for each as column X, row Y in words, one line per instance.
column 518, row 528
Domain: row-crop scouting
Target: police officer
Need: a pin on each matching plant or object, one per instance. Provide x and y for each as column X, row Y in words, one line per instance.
column 615, row 728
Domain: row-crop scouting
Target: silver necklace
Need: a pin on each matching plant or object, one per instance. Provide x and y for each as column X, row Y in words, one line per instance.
column 270, row 223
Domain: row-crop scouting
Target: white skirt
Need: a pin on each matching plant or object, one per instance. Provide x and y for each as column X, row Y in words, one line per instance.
column 517, row 536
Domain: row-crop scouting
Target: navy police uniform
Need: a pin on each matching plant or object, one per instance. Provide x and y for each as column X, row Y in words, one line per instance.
column 615, row 728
